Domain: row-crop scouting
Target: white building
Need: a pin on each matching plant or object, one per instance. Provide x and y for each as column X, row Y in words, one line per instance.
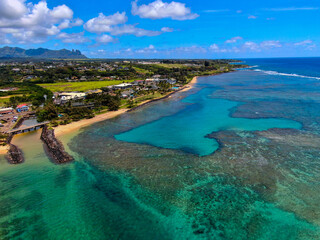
column 122, row 86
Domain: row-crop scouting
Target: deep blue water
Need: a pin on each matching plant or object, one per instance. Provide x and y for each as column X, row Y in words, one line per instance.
column 304, row 67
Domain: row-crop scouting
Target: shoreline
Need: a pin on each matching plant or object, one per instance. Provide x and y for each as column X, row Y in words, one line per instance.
column 74, row 126
column 4, row 149
column 64, row 129
column 190, row 85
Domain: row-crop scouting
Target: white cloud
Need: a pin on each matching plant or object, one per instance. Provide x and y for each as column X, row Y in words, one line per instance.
column 307, row 44
column 159, row 9
column 133, row 30
column 258, row 47
column 70, row 23
column 27, row 22
column 167, row 29
column 215, row 48
column 104, row 23
column 12, row 9
column 115, row 25
column 303, row 43
column 270, row 44
column 252, row 17
column 192, row 49
column 62, row 12
column 251, row 46
column 147, row 50
column 77, row 38
column 104, row 39
column 234, row 39
column 248, row 46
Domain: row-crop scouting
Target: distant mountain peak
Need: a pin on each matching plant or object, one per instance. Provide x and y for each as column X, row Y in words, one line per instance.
column 42, row 53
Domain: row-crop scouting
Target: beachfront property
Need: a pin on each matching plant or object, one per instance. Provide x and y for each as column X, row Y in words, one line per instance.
column 157, row 79
column 127, row 93
column 6, row 110
column 122, row 86
column 138, row 82
column 22, row 108
column 64, row 97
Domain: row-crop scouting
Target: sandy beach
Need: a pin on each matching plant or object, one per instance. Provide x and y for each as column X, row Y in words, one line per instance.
column 190, row 84
column 63, row 129
column 3, row 149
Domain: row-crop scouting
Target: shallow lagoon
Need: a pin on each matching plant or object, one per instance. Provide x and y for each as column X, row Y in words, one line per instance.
column 187, row 130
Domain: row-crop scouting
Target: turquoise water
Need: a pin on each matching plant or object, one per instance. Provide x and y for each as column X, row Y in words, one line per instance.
column 188, row 129
column 261, row 183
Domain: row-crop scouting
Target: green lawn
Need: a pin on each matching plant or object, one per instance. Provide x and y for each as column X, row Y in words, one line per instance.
column 140, row 70
column 3, row 101
column 176, row 65
column 80, row 86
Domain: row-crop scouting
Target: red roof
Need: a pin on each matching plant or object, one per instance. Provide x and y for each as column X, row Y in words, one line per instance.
column 22, row 105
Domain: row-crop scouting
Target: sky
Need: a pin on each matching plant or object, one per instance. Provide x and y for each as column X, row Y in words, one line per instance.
column 164, row 28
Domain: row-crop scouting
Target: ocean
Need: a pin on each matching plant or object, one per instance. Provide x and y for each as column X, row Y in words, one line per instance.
column 235, row 157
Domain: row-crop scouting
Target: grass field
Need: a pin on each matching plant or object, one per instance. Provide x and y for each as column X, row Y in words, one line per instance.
column 80, row 86
column 4, row 100
column 165, row 65
column 140, row 70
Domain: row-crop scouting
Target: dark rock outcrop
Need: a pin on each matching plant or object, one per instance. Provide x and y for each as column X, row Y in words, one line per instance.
column 14, row 155
column 54, row 148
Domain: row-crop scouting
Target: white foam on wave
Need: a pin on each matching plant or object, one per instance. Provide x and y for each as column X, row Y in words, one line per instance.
column 285, row 74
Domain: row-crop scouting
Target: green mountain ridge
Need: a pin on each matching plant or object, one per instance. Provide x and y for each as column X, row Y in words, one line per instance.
column 42, row 53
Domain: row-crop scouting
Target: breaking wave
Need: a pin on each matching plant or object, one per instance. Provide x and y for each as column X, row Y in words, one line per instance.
column 285, row 74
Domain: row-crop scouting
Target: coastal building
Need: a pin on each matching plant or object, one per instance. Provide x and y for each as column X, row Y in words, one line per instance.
column 82, row 104
column 8, row 89
column 171, row 81
column 64, row 97
column 122, row 86
column 22, row 108
column 6, row 110
column 126, row 94
column 138, row 82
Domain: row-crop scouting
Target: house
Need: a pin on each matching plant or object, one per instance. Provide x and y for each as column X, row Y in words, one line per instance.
column 82, row 104
column 8, row 89
column 126, row 94
column 61, row 98
column 171, row 81
column 122, row 86
column 138, row 82
column 6, row 110
column 22, row 108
